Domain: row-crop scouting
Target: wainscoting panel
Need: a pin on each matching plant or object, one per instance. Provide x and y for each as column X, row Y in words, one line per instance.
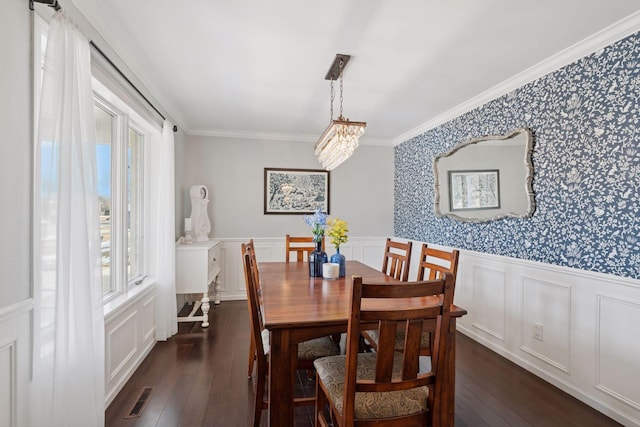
column 489, row 293
column 121, row 340
column 129, row 337
column 546, row 322
column 618, row 349
column 587, row 344
column 15, row 363
column 8, row 372
column 148, row 320
column 370, row 253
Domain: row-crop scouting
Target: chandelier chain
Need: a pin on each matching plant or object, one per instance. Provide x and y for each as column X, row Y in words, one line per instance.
column 341, row 84
column 333, row 95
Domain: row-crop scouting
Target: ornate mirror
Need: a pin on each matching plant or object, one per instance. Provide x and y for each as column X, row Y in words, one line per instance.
column 486, row 179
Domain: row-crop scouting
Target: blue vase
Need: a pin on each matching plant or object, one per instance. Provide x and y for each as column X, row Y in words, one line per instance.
column 316, row 259
column 338, row 258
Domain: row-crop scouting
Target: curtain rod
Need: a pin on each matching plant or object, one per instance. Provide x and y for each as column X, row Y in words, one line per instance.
column 54, row 4
column 51, row 3
column 115, row 67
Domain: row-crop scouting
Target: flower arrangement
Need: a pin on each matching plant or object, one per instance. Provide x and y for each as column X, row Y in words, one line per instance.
column 338, row 230
column 318, row 222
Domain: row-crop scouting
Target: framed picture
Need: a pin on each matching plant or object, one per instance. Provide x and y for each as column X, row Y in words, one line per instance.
column 474, row 189
column 295, row 191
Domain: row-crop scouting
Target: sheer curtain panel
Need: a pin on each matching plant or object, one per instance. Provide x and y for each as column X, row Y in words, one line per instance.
column 164, row 246
column 68, row 359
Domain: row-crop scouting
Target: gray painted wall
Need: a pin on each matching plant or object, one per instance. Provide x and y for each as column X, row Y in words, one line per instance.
column 16, row 142
column 233, row 171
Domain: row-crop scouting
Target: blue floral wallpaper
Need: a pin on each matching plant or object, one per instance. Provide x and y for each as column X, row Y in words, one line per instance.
column 585, row 119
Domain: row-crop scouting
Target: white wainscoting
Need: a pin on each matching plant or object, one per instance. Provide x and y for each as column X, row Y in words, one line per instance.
column 367, row 250
column 129, row 337
column 588, row 343
column 15, row 362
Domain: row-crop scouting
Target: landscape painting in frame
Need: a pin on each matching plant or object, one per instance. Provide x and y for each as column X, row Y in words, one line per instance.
column 474, row 189
column 295, row 191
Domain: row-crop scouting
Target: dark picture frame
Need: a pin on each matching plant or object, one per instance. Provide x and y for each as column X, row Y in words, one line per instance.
column 474, row 189
column 296, row 191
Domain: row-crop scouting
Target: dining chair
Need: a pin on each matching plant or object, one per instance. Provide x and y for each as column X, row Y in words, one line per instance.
column 388, row 387
column 432, row 264
column 396, row 260
column 254, row 264
column 301, row 246
column 308, row 351
column 436, row 262
column 395, row 263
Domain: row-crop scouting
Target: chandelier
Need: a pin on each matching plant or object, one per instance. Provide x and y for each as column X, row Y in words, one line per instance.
column 340, row 138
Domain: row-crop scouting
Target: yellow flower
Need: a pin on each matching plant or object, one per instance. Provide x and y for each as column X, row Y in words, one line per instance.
column 338, row 230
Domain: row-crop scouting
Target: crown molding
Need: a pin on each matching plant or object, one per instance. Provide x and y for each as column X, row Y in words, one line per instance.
column 605, row 37
column 275, row 136
column 265, row 136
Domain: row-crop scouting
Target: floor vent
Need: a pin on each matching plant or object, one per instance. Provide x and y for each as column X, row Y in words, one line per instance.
column 138, row 407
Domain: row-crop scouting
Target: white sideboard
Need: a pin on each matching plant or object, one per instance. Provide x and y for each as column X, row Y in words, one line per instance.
column 197, row 267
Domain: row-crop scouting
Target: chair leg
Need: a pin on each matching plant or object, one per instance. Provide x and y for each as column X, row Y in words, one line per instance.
column 320, row 404
column 260, row 404
column 252, row 357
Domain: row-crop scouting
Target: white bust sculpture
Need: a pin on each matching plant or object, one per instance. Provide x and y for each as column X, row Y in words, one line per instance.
column 200, row 223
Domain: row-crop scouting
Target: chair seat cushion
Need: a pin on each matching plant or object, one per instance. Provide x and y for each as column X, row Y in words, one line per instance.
column 308, row 350
column 331, row 371
column 400, row 333
column 316, row 348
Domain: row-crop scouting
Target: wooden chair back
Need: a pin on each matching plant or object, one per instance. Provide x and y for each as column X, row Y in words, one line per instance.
column 396, row 260
column 301, row 246
column 256, row 280
column 436, row 262
column 386, row 305
column 257, row 326
column 252, row 280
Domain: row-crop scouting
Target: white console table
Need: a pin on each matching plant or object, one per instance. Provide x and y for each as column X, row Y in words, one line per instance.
column 197, row 267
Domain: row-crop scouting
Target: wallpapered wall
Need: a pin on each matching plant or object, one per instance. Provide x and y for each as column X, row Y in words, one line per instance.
column 585, row 119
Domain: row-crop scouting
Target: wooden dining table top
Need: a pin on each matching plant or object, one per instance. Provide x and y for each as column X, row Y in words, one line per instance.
column 293, row 299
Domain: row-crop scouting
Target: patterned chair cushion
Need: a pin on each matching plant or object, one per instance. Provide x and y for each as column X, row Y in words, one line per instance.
column 308, row 350
column 317, row 347
column 331, row 370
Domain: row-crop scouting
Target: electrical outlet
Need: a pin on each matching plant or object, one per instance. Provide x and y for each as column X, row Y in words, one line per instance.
column 537, row 331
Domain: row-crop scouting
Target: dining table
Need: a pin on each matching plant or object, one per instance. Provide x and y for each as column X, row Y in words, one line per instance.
column 297, row 307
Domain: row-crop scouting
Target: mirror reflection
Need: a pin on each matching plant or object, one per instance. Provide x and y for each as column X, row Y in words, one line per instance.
column 486, row 179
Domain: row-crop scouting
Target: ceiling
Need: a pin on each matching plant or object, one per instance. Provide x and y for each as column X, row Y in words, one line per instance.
column 256, row 68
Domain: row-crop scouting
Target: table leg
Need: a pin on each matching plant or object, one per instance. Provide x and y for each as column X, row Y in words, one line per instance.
column 447, row 413
column 282, row 361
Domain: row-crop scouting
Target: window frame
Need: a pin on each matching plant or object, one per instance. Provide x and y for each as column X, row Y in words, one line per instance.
column 126, row 118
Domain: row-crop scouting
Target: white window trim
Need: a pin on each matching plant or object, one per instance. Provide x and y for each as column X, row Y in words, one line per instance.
column 133, row 119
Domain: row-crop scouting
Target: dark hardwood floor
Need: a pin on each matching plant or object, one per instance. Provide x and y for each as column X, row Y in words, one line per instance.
column 198, row 378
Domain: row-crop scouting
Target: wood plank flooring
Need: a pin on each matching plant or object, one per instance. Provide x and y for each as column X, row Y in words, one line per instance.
column 199, row 379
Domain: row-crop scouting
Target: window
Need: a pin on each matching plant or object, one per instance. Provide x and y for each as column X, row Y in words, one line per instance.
column 105, row 124
column 120, row 155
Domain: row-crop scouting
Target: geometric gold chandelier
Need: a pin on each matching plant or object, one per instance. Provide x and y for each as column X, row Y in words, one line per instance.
column 340, row 139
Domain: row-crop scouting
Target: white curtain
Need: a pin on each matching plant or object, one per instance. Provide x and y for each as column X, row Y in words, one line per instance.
column 164, row 245
column 68, row 359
